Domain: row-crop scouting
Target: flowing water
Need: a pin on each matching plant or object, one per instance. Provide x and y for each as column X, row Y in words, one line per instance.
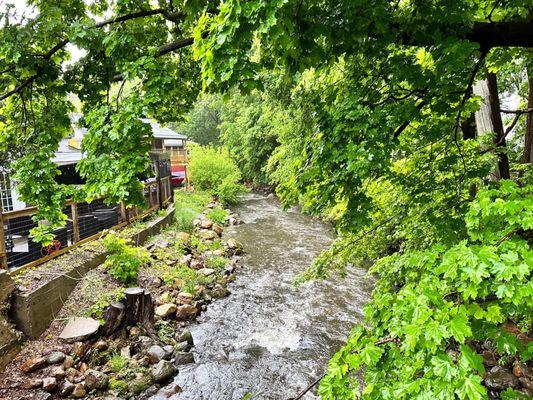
column 268, row 339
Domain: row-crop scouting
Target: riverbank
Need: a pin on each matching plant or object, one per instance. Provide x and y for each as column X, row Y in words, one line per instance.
column 184, row 273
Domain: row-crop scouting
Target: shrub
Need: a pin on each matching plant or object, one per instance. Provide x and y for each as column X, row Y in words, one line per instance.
column 216, row 262
column 218, row 215
column 212, row 170
column 124, row 260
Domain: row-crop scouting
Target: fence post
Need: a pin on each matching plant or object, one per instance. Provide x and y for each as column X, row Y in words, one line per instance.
column 3, row 254
column 75, row 226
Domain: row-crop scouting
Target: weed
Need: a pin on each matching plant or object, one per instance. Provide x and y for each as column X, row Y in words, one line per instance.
column 118, row 363
column 218, row 215
column 216, row 262
column 124, row 260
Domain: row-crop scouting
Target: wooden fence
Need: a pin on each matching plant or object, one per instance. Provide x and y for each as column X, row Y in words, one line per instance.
column 85, row 222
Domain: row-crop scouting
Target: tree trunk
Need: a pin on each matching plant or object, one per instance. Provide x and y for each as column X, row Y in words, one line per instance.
column 528, row 142
column 489, row 119
column 113, row 317
column 140, row 309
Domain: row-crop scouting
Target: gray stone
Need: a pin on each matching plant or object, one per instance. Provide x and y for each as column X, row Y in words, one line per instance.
column 206, row 271
column 169, row 349
column 66, row 389
column 185, row 336
column 40, row 395
column 49, row 384
column 182, row 346
column 182, row 357
column 79, row 328
column 55, row 358
column 500, row 379
column 162, row 371
column 156, row 354
column 139, row 385
column 95, row 380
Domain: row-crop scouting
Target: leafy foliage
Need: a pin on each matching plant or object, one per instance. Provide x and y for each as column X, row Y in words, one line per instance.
column 203, row 121
column 218, row 215
column 124, row 260
column 211, row 169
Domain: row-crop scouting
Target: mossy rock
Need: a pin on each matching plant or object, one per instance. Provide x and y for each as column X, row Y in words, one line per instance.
column 139, row 385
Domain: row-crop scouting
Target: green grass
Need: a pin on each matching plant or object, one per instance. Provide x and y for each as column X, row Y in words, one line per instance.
column 118, row 363
column 189, row 205
column 218, row 215
column 190, row 278
column 216, row 262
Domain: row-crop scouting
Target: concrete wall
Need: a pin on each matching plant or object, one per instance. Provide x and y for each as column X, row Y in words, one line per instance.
column 34, row 311
column 9, row 337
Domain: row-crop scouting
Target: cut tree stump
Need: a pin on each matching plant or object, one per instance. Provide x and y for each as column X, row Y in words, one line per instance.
column 140, row 309
column 113, row 317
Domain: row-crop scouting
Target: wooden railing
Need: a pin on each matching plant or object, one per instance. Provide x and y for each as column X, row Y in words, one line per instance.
column 177, row 156
column 86, row 222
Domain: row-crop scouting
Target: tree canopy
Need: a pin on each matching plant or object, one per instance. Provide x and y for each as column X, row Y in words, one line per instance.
column 373, row 127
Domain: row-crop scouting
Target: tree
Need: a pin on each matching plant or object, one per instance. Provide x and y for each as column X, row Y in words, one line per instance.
column 203, row 121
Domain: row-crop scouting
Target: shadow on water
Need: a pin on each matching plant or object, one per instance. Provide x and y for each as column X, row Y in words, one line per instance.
column 268, row 338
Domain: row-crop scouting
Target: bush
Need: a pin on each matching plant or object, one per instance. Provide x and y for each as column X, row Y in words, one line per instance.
column 185, row 219
column 218, row 215
column 212, row 170
column 124, row 260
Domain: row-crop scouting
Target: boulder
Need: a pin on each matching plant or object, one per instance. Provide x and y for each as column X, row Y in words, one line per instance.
column 185, row 312
column 500, row 379
column 182, row 357
column 165, row 310
column 79, row 390
column 206, row 224
column 33, row 364
column 139, row 385
column 207, row 234
column 185, row 297
column 156, row 354
column 55, row 358
column 95, row 380
column 162, row 371
column 79, row 329
column 185, row 336
column 49, row 384
column 234, row 246
column 217, row 229
column 66, row 389
column 206, row 271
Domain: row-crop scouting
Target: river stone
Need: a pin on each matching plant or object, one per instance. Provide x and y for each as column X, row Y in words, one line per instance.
column 217, row 229
column 500, row 379
column 182, row 357
column 185, row 312
column 55, row 358
column 40, row 395
column 66, row 389
column 156, row 354
column 206, row 271
column 206, row 224
column 185, row 336
column 95, row 380
column 58, row 372
column 79, row 328
column 49, row 384
column 185, row 297
column 34, row 383
column 79, row 390
column 165, row 310
column 162, row 371
column 207, row 235
column 139, row 385
column 33, row 364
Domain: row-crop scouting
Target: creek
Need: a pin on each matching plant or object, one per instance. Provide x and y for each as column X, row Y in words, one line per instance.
column 269, row 339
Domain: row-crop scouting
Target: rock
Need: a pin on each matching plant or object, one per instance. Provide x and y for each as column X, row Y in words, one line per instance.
column 49, row 384
column 68, row 363
column 233, row 221
column 185, row 312
column 72, row 373
column 169, row 349
column 197, row 222
column 66, row 389
column 165, row 310
column 162, row 371
column 165, row 297
column 206, row 271
column 139, row 385
column 156, row 354
column 500, row 379
column 182, row 357
column 40, row 395
column 79, row 349
column 183, row 236
column 79, row 329
column 207, row 234
column 185, row 297
column 520, row 370
column 58, row 372
column 79, row 390
column 526, row 383
column 135, row 332
column 101, row 345
column 219, row 291
column 83, row 368
column 33, row 364
column 196, row 264
column 95, row 380
column 55, row 358
column 34, row 383
column 217, row 229
column 151, row 391
column 235, row 246
column 206, row 224
column 185, row 260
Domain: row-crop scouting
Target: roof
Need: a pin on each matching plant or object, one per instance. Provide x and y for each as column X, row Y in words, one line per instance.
column 160, row 132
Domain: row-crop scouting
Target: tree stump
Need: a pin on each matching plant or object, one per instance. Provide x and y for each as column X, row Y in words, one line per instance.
column 140, row 309
column 113, row 317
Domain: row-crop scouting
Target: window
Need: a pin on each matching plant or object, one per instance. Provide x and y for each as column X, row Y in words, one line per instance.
column 5, row 192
